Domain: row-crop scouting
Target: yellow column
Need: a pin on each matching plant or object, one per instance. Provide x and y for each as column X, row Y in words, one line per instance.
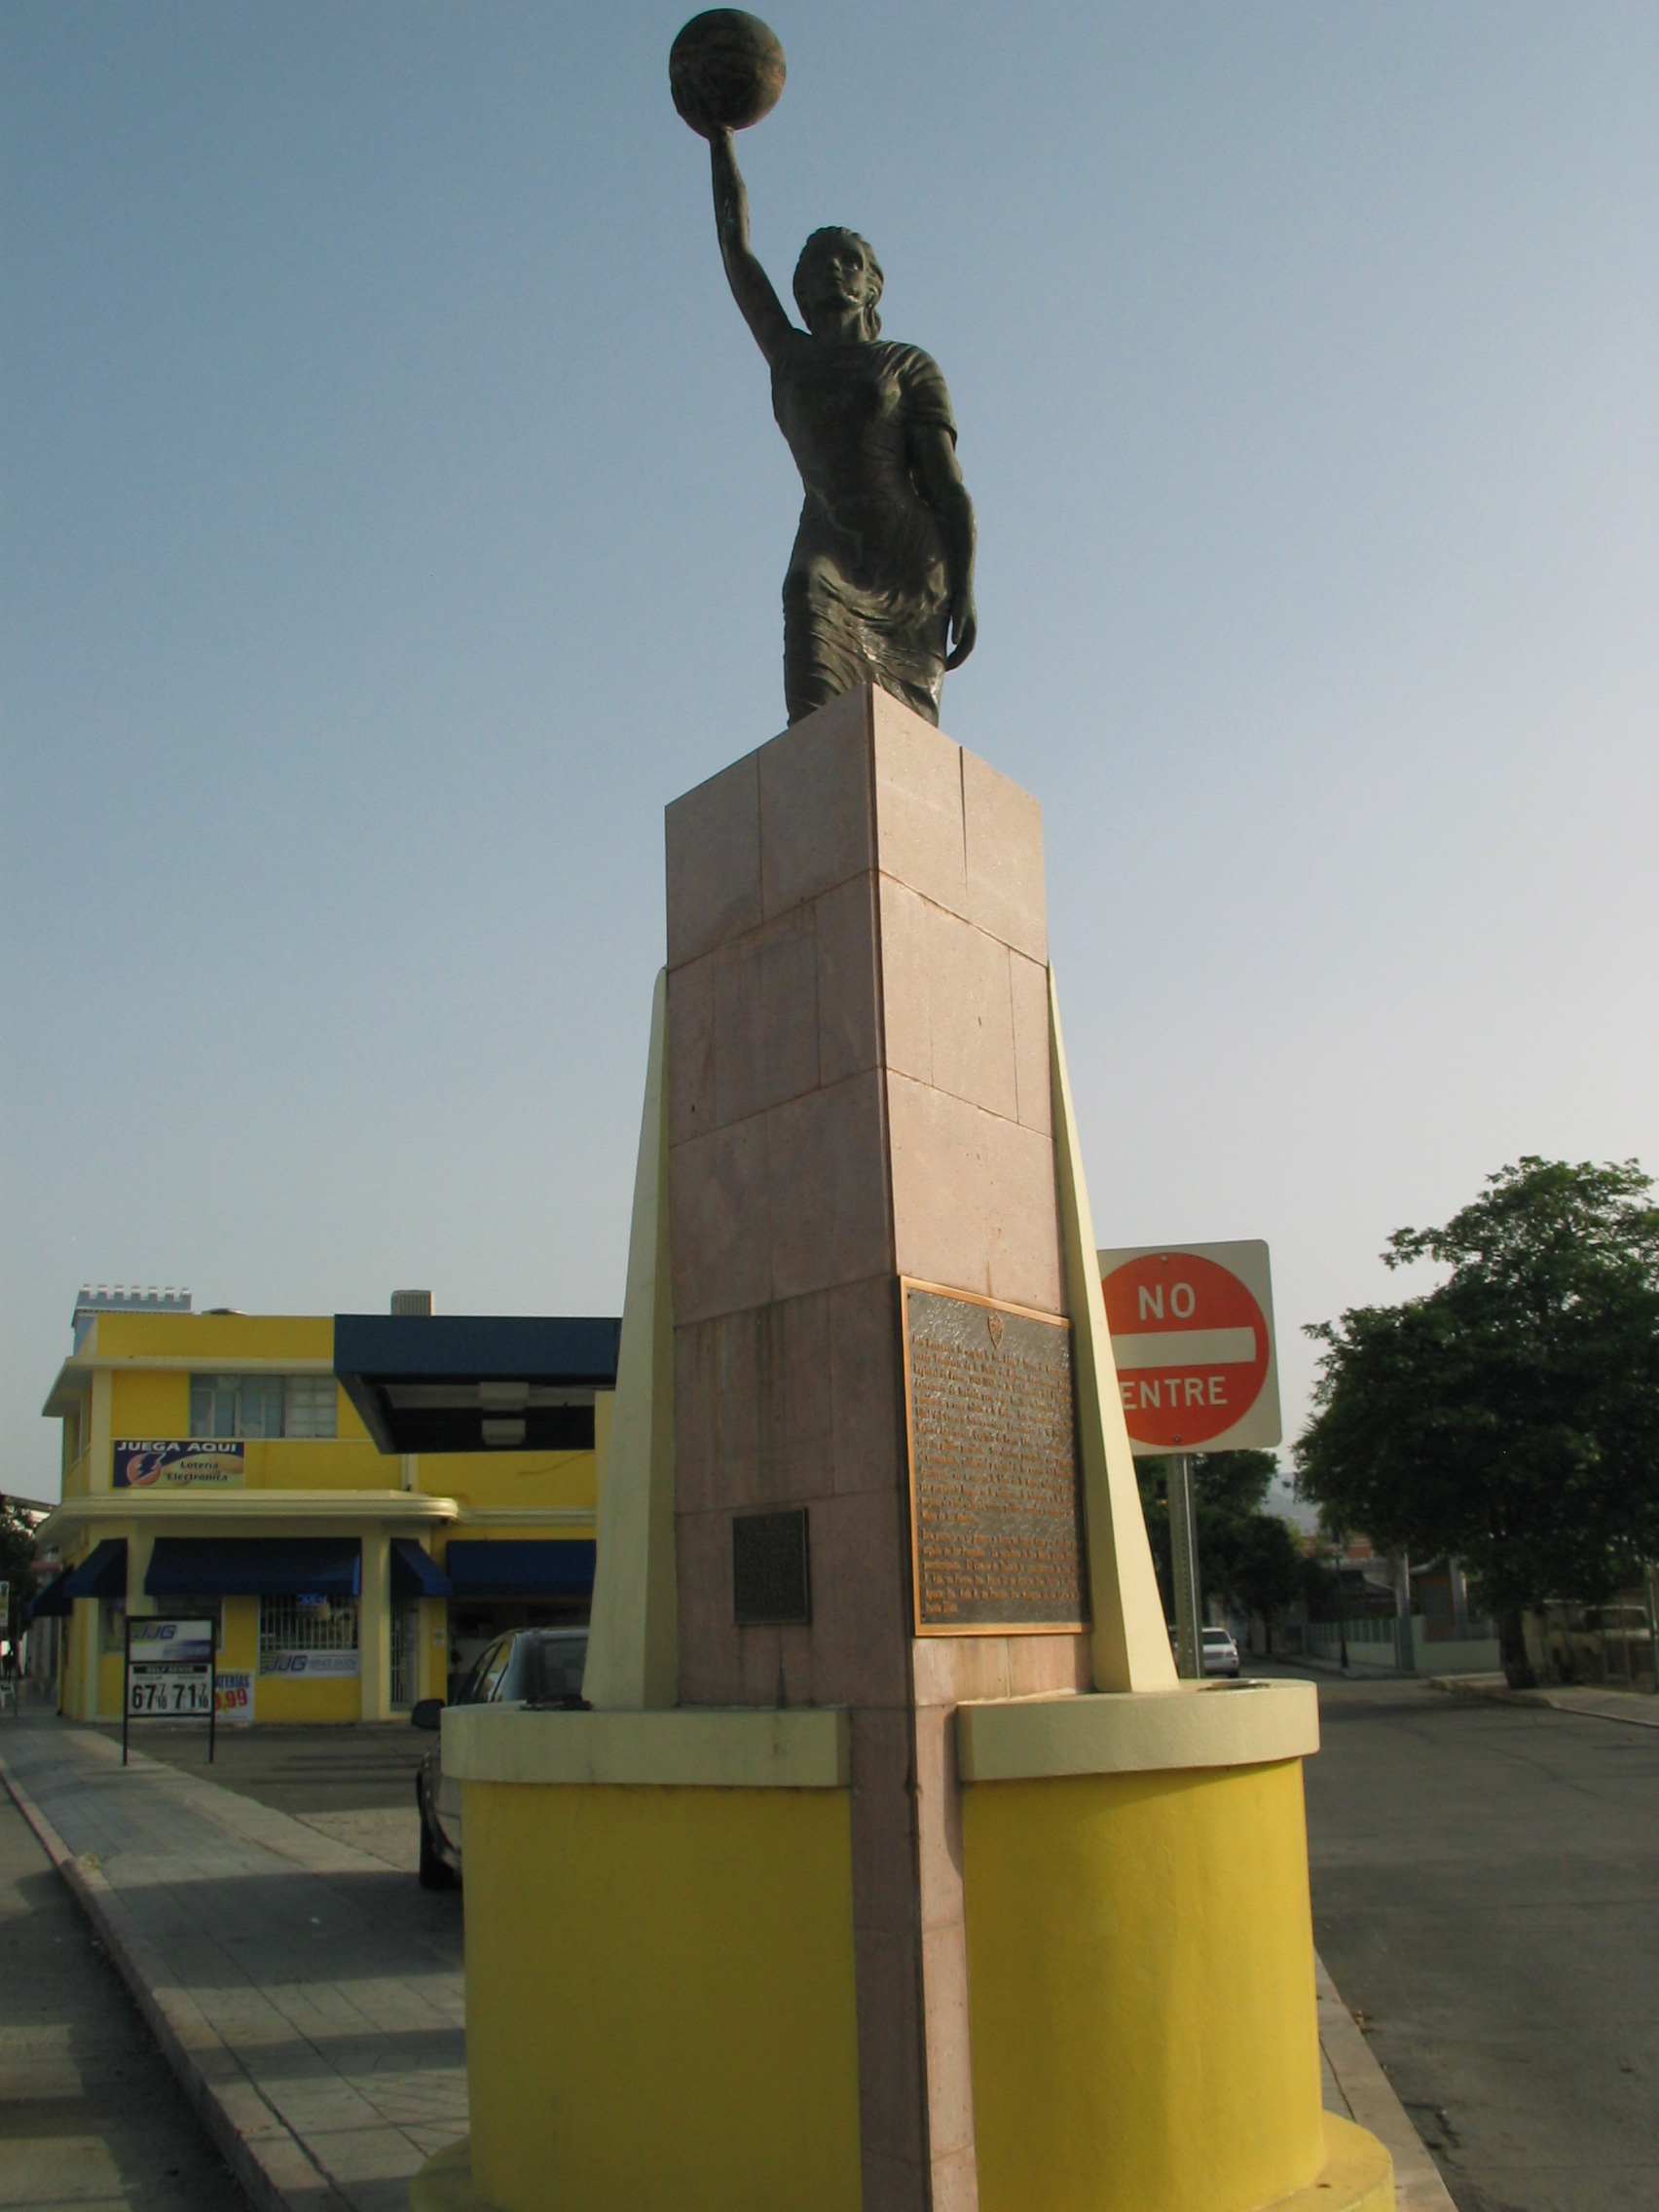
column 100, row 1468
column 374, row 1626
column 86, row 1628
column 633, row 1655
column 1130, row 1645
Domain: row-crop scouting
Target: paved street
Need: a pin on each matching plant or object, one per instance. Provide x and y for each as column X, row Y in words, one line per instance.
column 314, row 1991
column 1486, row 1891
column 90, row 2112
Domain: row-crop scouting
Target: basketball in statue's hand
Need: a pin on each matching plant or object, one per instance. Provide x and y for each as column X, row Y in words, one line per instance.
column 725, row 70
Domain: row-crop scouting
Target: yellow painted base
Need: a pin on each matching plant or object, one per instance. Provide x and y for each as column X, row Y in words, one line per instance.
column 1140, row 1957
column 660, row 2000
column 1357, row 2175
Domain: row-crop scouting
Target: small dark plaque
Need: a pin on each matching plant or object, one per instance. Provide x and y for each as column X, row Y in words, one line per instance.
column 771, row 1570
column 996, row 1497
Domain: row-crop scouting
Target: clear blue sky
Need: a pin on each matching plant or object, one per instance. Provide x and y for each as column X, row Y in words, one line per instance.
column 394, row 521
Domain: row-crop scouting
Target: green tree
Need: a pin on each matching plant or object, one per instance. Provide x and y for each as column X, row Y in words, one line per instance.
column 1267, row 1574
column 16, row 1564
column 1512, row 1414
column 1245, row 1555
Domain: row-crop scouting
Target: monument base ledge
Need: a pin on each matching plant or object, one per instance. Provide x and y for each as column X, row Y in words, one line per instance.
column 689, row 1746
column 1197, row 1725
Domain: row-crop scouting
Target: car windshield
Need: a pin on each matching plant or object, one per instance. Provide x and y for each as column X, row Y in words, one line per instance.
column 1217, row 1635
column 562, row 1661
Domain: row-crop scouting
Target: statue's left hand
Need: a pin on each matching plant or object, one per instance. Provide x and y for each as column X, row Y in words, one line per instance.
column 964, row 628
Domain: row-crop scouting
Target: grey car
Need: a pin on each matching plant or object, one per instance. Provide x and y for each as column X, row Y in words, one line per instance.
column 529, row 1666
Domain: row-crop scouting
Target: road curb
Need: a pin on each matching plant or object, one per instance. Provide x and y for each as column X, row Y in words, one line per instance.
column 271, row 2164
column 1604, row 1707
column 1369, row 2097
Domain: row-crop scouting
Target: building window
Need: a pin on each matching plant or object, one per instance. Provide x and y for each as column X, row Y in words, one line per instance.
column 308, row 1404
column 262, row 1405
column 307, row 1624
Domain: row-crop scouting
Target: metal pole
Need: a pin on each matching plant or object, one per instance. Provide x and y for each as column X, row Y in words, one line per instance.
column 1184, row 1565
column 126, row 1680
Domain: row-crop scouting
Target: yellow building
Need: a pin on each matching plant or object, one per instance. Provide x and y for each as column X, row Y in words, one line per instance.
column 357, row 1501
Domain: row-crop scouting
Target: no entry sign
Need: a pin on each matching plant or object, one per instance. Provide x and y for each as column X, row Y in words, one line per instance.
column 1193, row 1337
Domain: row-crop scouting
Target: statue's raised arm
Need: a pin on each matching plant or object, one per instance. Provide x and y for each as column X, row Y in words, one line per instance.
column 880, row 584
column 750, row 287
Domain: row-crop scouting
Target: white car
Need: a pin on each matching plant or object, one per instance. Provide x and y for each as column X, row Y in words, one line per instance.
column 1220, row 1652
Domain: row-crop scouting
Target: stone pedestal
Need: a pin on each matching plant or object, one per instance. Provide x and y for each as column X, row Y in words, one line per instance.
column 802, row 1803
column 858, row 1090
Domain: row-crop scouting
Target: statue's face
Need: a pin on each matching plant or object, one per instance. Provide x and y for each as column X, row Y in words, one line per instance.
column 840, row 281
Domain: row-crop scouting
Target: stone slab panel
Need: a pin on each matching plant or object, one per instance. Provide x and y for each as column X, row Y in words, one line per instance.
column 828, row 1216
column 867, row 1386
column 860, row 1622
column 974, row 1201
column 816, row 827
column 970, row 1015
column 884, row 1872
column 1003, row 826
column 848, row 993
column 1033, row 1079
column 918, row 806
column 691, row 1050
column 714, row 861
column 765, row 1017
column 720, row 1225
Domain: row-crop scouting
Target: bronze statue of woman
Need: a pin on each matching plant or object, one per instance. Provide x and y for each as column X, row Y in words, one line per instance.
column 880, row 584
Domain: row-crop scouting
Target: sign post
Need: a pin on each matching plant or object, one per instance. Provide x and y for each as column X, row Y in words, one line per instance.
column 171, row 1674
column 1191, row 1330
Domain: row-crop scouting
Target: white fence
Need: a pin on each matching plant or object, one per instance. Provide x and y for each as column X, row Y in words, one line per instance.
column 1376, row 1643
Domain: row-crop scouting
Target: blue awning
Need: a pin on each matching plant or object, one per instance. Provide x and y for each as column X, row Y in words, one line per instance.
column 257, row 1567
column 102, row 1573
column 50, row 1603
column 412, row 1573
column 522, row 1568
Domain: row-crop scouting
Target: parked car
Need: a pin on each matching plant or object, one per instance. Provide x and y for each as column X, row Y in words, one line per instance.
column 1220, row 1652
column 531, row 1666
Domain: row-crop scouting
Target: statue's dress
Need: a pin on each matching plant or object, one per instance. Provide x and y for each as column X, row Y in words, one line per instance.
column 866, row 598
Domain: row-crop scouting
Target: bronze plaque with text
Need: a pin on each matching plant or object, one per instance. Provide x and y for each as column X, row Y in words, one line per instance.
column 996, row 1497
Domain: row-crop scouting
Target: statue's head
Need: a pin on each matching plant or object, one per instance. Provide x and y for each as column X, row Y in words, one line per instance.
column 836, row 267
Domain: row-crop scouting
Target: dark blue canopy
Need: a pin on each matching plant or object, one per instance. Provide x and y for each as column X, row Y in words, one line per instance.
column 263, row 1566
column 522, row 1568
column 50, row 1603
column 102, row 1573
column 412, row 1573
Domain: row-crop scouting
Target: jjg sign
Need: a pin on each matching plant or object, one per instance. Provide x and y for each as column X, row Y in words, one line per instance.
column 1193, row 1337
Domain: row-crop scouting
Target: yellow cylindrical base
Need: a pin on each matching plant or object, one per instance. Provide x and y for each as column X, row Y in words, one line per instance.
column 659, row 1999
column 1140, row 1954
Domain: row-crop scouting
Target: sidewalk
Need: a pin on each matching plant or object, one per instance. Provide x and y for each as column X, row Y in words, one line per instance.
column 308, row 1996
column 1635, row 1707
column 311, row 1996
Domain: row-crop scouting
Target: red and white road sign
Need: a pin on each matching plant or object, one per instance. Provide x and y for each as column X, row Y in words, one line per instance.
column 1193, row 1337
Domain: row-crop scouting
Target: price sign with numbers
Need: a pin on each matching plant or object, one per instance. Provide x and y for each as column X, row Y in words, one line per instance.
column 170, row 1672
